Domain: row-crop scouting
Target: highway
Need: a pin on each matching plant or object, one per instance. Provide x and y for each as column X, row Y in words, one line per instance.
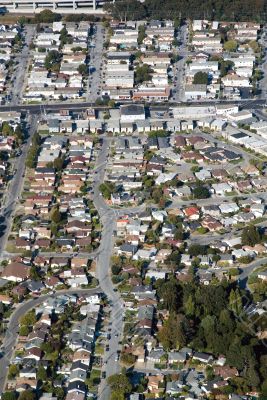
column 244, row 104
column 11, row 335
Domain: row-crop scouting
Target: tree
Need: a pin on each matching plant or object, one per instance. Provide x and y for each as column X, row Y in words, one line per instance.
column 230, row 45
column 19, row 134
column 83, row 69
column 171, row 9
column 120, row 383
column 115, row 269
column 107, row 189
column 28, row 319
column 13, row 371
column 7, row 130
column 41, row 374
column 201, row 192
column 157, row 194
column 225, row 67
column 250, row 235
column 9, row 396
column 189, row 306
column 128, row 358
column 172, row 334
column 201, row 78
column 126, row 9
column 27, row 395
column 235, row 301
column 65, row 37
column 24, row 330
column 47, row 17
column 141, row 34
column 34, row 273
column 143, row 73
column 195, row 250
column 52, row 59
column 263, row 390
column 58, row 163
column 169, row 292
column 55, row 215
column 254, row 45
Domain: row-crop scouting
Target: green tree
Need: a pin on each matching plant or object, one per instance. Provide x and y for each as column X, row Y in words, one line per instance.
column 201, row 192
column 235, row 301
column 52, row 59
column 263, row 390
column 197, row 249
column 24, row 330
column 172, row 334
column 55, row 215
column 250, row 235
column 143, row 73
column 19, row 134
column 7, row 130
column 58, row 163
column 34, row 273
column 120, row 383
column 141, row 34
column 9, row 396
column 83, row 69
column 225, row 67
column 107, row 189
column 28, row 319
column 129, row 9
column 189, row 306
column 13, row 371
column 41, row 374
column 47, row 17
column 201, row 78
column 230, row 45
column 27, row 395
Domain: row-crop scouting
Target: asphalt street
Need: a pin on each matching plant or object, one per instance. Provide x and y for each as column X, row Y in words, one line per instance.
column 11, row 335
column 14, row 188
column 22, row 60
column 96, row 63
column 108, row 221
column 244, row 104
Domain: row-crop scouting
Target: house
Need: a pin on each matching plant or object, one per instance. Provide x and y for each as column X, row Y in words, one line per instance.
column 191, row 213
column 221, row 188
column 176, row 357
column 202, row 357
column 154, row 384
column 225, row 371
column 16, row 272
column 262, row 275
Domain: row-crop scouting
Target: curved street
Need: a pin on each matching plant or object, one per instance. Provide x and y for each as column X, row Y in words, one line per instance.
column 11, row 335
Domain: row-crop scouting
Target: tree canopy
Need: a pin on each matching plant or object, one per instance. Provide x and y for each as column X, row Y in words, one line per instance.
column 120, row 385
column 250, row 235
column 243, row 10
column 143, row 73
column 201, row 78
